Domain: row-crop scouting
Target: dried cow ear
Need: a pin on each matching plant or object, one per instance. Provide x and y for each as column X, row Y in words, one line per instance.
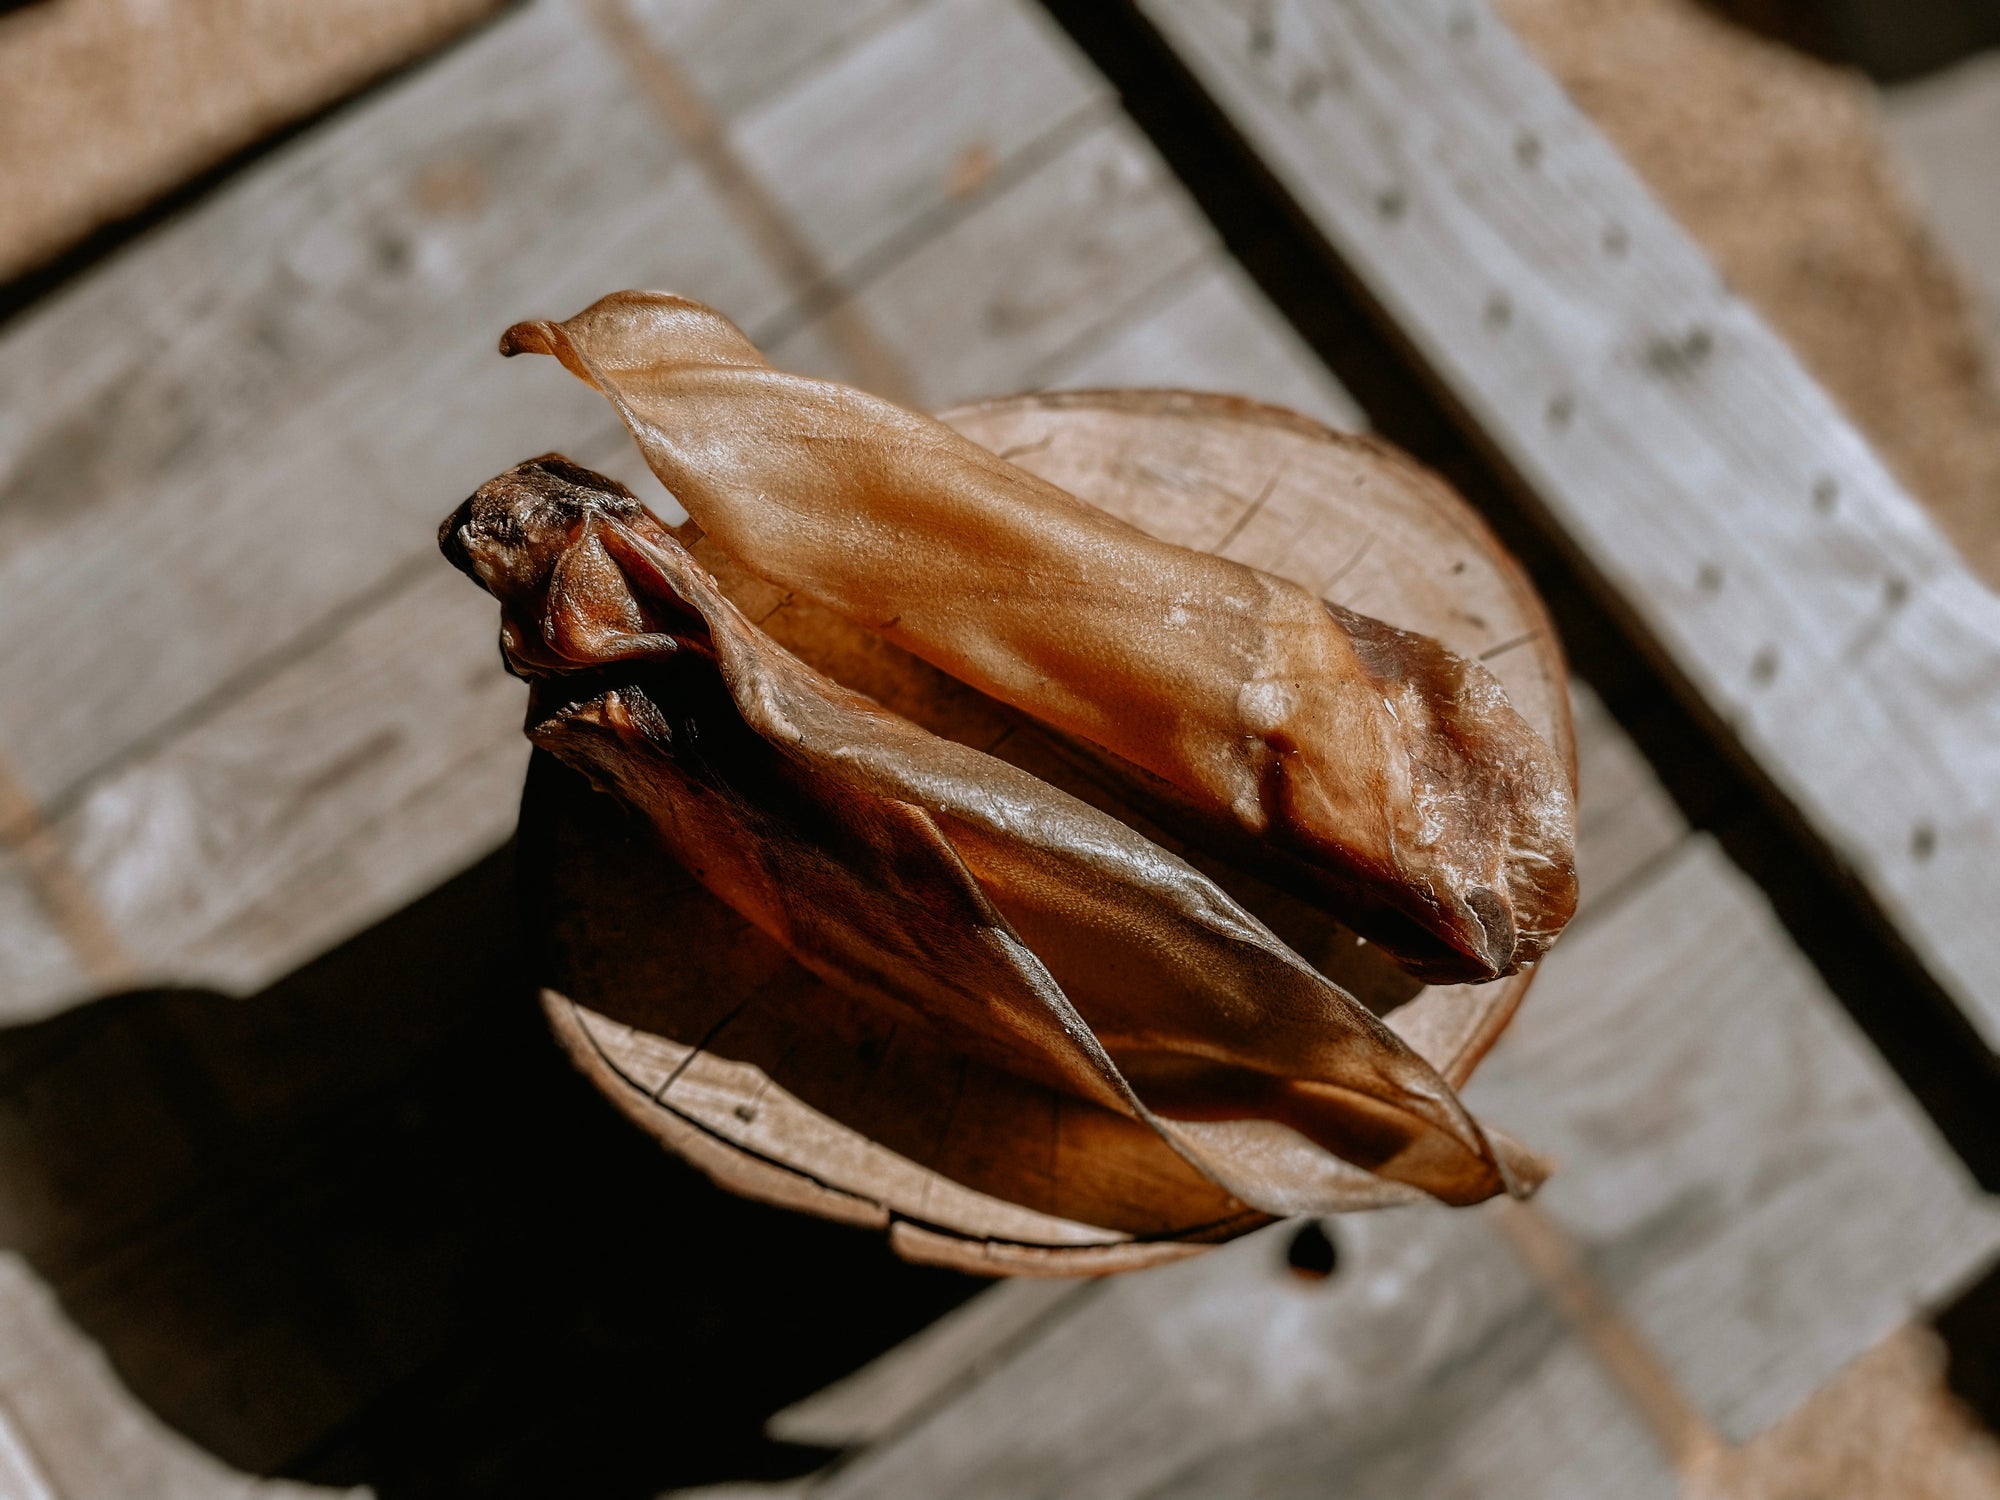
column 1372, row 769
column 919, row 875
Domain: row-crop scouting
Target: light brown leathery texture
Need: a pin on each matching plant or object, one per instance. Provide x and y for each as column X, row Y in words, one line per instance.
column 925, row 877
column 1373, row 768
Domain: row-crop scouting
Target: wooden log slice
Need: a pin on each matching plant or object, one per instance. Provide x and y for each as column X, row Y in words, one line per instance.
column 707, row 1035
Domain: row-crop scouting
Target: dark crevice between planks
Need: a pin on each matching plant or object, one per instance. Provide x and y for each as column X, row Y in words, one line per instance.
column 28, row 287
column 1970, row 1327
column 1908, row 1016
column 1892, row 41
column 369, row 1227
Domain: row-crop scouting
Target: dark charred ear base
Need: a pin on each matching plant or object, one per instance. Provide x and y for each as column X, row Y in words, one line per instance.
column 576, row 476
column 451, row 539
column 506, row 507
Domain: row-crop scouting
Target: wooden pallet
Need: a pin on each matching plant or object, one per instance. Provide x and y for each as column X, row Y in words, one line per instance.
column 248, row 714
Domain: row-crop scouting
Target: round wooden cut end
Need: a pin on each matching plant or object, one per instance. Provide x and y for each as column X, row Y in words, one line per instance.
column 708, row 1036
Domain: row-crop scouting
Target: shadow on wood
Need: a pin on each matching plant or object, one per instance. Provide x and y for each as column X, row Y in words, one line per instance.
column 1970, row 1328
column 369, row 1228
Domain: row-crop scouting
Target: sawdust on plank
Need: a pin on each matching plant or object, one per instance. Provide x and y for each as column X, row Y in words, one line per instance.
column 105, row 105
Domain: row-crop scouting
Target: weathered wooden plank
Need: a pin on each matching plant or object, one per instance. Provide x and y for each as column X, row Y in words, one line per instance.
column 1214, row 332
column 961, row 89
column 216, row 446
column 38, row 969
column 1526, row 1415
column 924, row 1372
column 20, row 1475
column 1945, row 129
column 1778, row 165
column 1807, row 599
column 1745, row 1176
column 1228, row 1375
column 743, row 54
column 348, row 783
column 1030, row 276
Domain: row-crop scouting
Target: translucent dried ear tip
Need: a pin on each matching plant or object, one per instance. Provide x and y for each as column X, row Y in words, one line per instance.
column 1495, row 915
column 526, row 338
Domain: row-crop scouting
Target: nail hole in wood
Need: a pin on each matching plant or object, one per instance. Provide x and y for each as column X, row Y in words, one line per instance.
column 1528, row 148
column 1499, row 310
column 1764, row 666
column 1667, row 356
column 1825, row 494
column 1616, row 241
column 1709, row 578
column 1312, row 1253
column 1390, row 203
column 746, row 1112
column 1923, row 841
column 1895, row 591
column 1562, row 407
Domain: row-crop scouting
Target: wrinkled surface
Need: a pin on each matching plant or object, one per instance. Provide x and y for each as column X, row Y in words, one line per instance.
column 1027, row 928
column 1367, row 765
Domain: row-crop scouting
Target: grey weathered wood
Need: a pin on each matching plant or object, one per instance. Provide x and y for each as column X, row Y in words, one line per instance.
column 1213, row 331
column 38, row 969
column 960, row 91
column 21, row 1477
column 925, row 1371
column 1526, row 1415
column 217, row 446
column 743, row 54
column 1808, row 600
column 1229, row 1376
column 353, row 780
column 1745, row 1175
column 1034, row 274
